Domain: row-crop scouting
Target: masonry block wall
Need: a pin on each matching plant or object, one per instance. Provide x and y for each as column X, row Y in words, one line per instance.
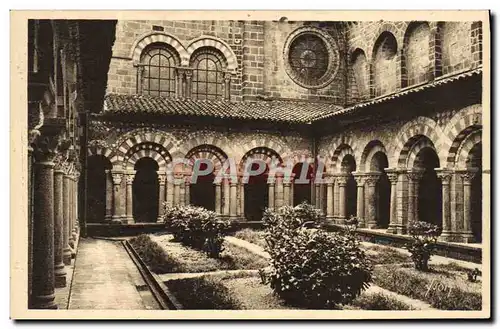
column 403, row 54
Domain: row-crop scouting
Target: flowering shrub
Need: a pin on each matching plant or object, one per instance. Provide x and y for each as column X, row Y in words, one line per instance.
column 424, row 237
column 197, row 227
column 310, row 267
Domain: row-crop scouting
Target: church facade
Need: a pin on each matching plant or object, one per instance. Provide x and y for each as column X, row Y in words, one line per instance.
column 388, row 114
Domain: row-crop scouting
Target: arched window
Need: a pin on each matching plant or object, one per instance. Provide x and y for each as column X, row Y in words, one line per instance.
column 158, row 70
column 208, row 74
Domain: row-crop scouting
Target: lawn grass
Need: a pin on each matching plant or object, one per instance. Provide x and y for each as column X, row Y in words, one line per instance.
column 441, row 289
column 252, row 236
column 378, row 301
column 189, row 260
column 386, row 255
column 153, row 255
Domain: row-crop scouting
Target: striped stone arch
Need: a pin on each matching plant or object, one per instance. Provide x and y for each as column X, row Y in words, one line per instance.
column 152, row 37
column 99, row 150
column 418, row 143
column 207, row 152
column 339, row 154
column 212, row 42
column 369, row 151
column 137, row 136
column 409, row 132
column 270, row 142
column 201, row 137
column 150, row 150
column 263, row 153
column 463, row 123
column 329, row 150
column 464, row 150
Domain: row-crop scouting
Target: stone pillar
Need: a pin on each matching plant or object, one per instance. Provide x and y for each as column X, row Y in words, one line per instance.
column 117, row 195
column 227, row 86
column 414, row 177
column 187, row 195
column 188, row 86
column 402, row 201
column 336, row 203
column 71, row 214
column 130, row 197
column 329, row 198
column 43, row 225
column 286, row 193
column 342, row 181
column 371, row 200
column 271, row 193
column 226, row 195
column 75, row 208
column 292, row 187
column 67, row 220
column 317, row 195
column 393, row 217
column 59, row 270
column 109, row 196
column 182, row 191
column 162, row 177
column 242, row 198
column 177, row 189
column 233, row 202
column 278, row 198
column 170, row 191
column 360, row 201
column 445, row 176
column 218, row 198
column 467, row 176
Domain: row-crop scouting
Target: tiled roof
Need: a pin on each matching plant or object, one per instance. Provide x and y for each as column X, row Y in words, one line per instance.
column 410, row 90
column 274, row 111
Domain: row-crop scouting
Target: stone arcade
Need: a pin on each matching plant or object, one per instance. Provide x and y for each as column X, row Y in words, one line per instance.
column 393, row 108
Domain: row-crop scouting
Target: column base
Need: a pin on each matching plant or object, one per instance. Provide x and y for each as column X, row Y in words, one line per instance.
column 160, row 220
column 466, row 237
column 67, row 256
column 371, row 225
column 128, row 220
column 446, row 236
column 59, row 276
column 392, row 229
column 400, row 229
column 330, row 219
column 44, row 302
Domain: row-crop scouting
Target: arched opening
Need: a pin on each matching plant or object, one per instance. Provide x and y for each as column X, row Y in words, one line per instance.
column 474, row 161
column 382, row 189
column 348, row 166
column 202, row 193
column 384, row 64
column 430, row 194
column 145, row 191
column 418, row 65
column 302, row 190
column 360, row 68
column 97, row 187
column 256, row 195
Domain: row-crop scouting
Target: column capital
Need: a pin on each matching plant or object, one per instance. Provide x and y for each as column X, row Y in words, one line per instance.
column 162, row 178
column 444, row 174
column 227, row 76
column 117, row 177
column 415, row 174
column 342, row 179
column 130, row 178
column 271, row 180
column 372, row 179
column 467, row 174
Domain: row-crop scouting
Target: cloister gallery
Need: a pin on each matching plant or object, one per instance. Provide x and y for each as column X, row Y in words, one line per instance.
column 388, row 114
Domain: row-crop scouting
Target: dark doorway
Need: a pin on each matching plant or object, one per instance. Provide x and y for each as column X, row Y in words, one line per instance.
column 256, row 195
column 145, row 191
column 96, row 188
column 430, row 196
column 302, row 191
column 348, row 166
column 382, row 190
column 202, row 193
column 475, row 161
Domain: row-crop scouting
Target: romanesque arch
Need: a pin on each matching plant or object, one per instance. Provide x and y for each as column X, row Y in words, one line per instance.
column 220, row 45
column 384, row 64
column 274, row 144
column 147, row 150
column 417, row 66
column 158, row 37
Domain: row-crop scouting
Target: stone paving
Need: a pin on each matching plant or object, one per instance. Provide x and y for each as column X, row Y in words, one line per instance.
column 106, row 278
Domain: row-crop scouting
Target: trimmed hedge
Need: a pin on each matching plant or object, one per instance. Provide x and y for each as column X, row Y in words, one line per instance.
column 153, row 255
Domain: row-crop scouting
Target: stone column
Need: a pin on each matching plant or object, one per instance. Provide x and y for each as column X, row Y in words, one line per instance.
column 43, row 225
column 109, row 196
column 188, row 86
column 317, row 195
column 117, row 195
column 182, row 191
column 467, row 176
column 75, row 208
column 233, row 202
column 67, row 220
column 402, row 201
column 218, row 198
column 227, row 86
column 242, row 198
column 187, row 195
column 292, row 187
column 59, row 270
column 371, row 200
column 336, row 203
column 71, row 214
column 286, row 193
column 278, row 197
column 393, row 217
column 445, row 176
column 414, row 177
column 360, row 201
column 162, row 177
column 342, row 181
column 271, row 193
column 329, row 198
column 226, row 195
column 170, row 191
column 130, row 197
column 177, row 189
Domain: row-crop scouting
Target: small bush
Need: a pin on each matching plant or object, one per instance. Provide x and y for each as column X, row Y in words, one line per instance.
column 379, row 301
column 424, row 237
column 249, row 235
column 309, row 267
column 153, row 255
column 197, row 227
